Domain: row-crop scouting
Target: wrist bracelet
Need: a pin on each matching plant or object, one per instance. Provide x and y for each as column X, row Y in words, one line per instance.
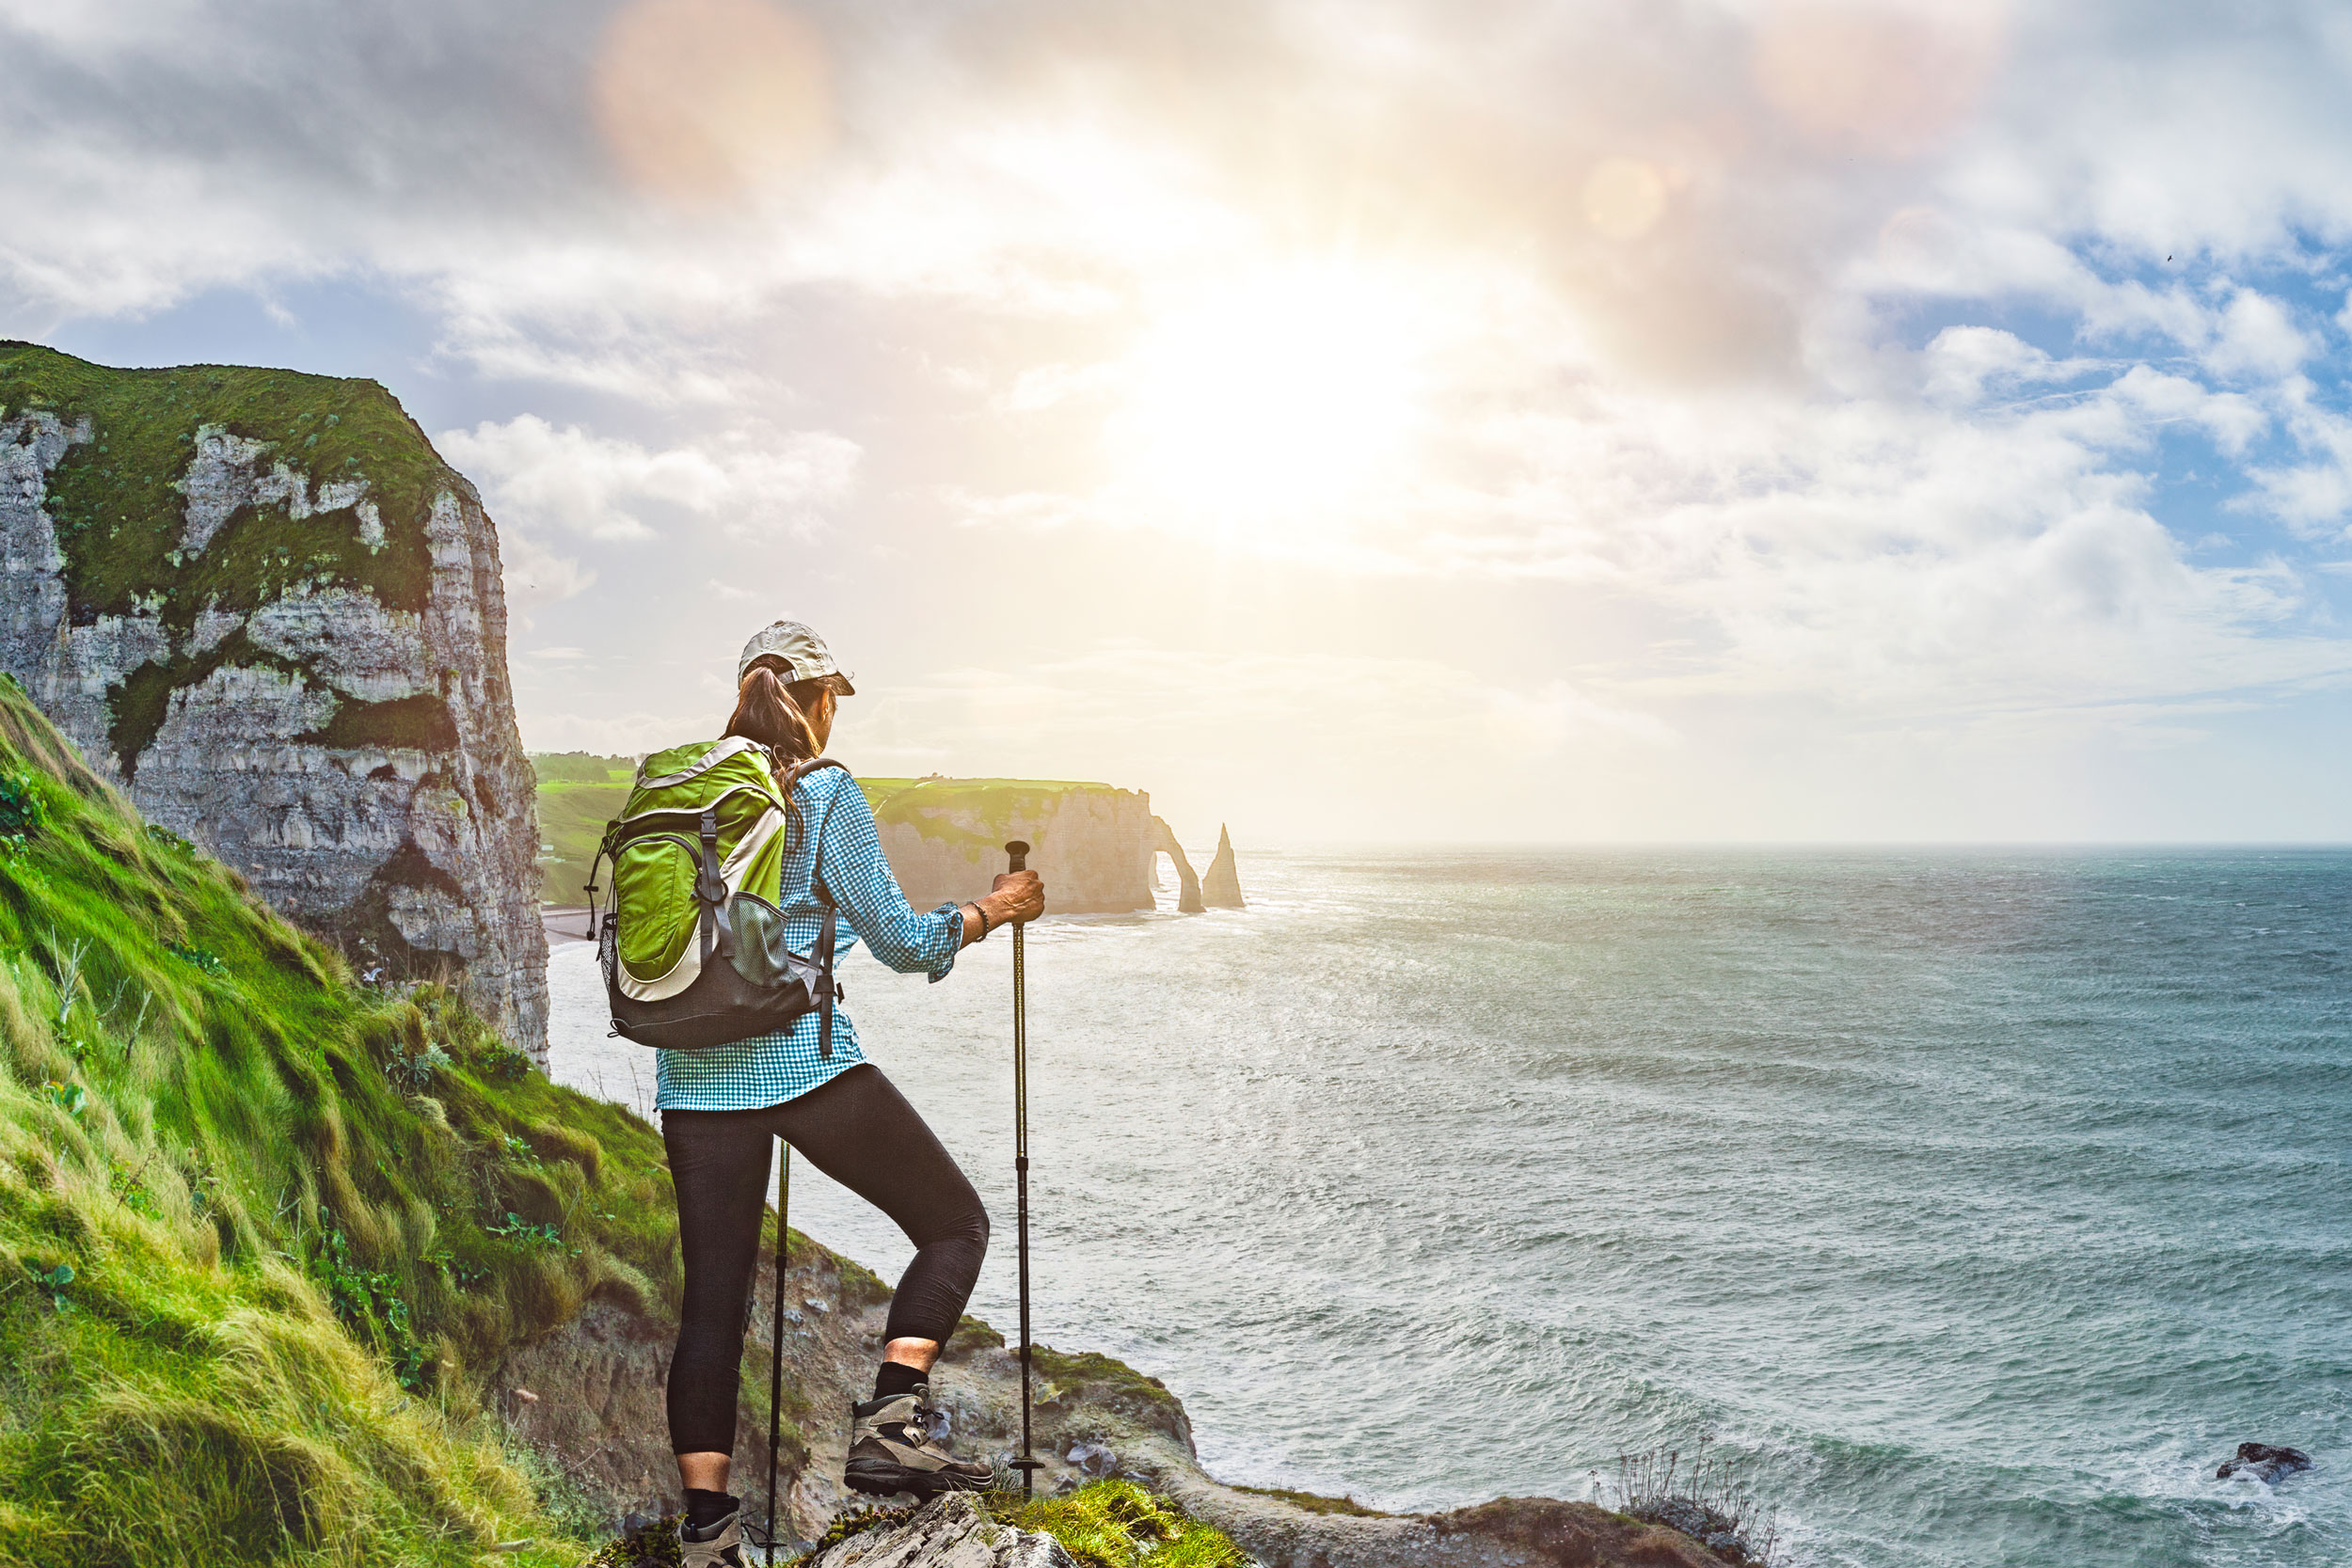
column 986, row 924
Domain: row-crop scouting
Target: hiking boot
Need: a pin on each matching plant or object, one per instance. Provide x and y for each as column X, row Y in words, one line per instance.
column 719, row 1545
column 892, row 1449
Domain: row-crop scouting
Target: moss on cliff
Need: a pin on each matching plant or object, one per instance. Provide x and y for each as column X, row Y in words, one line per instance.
column 1104, row 1524
column 421, row 724
column 118, row 507
column 1104, row 1376
column 1117, row 1524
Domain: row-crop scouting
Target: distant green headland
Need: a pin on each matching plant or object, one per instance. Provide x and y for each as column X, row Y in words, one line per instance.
column 945, row 836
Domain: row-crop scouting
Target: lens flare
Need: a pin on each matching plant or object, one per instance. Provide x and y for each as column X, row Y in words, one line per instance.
column 1890, row 79
column 700, row 101
column 1624, row 198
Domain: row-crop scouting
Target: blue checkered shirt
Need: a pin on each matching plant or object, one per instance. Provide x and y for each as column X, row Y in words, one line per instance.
column 768, row 1069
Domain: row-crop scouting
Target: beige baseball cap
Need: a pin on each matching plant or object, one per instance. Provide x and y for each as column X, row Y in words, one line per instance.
column 798, row 651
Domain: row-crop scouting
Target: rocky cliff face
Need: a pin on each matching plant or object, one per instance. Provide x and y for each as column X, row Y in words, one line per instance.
column 945, row 839
column 261, row 603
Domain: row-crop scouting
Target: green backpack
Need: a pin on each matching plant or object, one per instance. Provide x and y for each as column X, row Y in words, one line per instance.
column 691, row 941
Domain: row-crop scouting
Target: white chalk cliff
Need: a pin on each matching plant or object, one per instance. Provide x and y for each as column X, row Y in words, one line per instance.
column 261, row 603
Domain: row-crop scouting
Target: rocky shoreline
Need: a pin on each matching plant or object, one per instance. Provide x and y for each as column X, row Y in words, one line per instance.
column 590, row 1397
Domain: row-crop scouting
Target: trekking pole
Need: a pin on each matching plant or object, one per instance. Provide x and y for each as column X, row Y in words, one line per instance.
column 1026, row 1463
column 775, row 1343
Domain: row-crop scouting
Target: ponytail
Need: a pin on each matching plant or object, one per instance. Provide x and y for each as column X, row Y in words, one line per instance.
column 776, row 715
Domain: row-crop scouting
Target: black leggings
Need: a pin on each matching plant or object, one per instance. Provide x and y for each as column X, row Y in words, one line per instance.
column 857, row 1129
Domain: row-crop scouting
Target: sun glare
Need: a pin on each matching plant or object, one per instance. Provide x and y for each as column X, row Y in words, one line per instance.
column 1283, row 400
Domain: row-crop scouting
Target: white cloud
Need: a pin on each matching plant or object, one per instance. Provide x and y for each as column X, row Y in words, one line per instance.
column 1962, row 359
column 2313, row 494
column 595, row 486
column 2257, row 339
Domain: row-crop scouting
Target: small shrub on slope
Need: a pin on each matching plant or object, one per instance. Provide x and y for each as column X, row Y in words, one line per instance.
column 21, row 811
column 1698, row 1495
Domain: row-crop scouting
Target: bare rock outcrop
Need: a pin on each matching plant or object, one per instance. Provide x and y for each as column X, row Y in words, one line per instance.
column 262, row 604
column 948, row 1532
column 1221, row 888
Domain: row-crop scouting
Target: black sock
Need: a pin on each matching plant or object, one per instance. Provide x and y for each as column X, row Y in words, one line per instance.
column 894, row 1379
column 705, row 1509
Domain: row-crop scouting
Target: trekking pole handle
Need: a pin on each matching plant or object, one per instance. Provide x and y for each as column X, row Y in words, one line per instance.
column 1020, row 853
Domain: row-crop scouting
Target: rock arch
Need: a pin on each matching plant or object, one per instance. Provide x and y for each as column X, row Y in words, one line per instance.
column 1188, row 885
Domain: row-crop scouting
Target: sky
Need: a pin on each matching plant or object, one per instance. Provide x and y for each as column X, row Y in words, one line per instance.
column 1478, row 420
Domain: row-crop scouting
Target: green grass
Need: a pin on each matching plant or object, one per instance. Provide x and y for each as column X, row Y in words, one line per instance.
column 1104, row 1524
column 572, row 815
column 1102, row 1376
column 261, row 1229
column 557, row 769
column 119, row 519
column 1117, row 1524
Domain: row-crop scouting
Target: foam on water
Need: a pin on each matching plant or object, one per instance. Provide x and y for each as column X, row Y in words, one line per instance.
column 1981, row 1203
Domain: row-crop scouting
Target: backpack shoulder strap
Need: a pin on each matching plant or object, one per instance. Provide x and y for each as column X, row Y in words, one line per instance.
column 826, row 987
column 783, row 786
column 604, row 852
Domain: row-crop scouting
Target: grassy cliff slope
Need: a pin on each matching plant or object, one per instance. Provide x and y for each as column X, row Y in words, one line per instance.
column 258, row 1225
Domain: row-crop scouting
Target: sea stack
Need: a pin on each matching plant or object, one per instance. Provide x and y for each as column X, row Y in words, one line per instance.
column 263, row 605
column 1221, row 888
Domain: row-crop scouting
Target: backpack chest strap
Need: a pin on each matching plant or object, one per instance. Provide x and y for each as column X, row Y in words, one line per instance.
column 711, row 893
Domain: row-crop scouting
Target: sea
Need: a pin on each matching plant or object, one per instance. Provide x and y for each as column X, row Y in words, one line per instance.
column 1969, row 1206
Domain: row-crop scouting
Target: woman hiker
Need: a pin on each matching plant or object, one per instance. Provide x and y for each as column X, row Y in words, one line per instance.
column 722, row 1107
